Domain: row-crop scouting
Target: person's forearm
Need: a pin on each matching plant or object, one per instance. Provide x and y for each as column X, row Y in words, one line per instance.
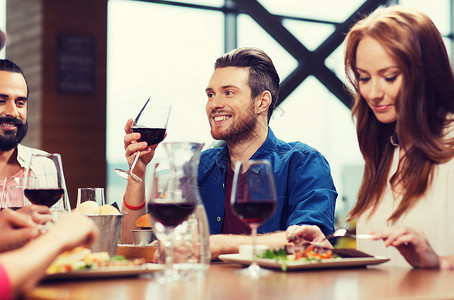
column 272, row 240
column 25, row 266
column 229, row 243
column 447, row 262
column 134, row 197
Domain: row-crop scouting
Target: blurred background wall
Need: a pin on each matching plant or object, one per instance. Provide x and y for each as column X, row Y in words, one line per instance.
column 61, row 47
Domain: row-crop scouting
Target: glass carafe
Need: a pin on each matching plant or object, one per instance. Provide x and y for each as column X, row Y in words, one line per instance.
column 191, row 238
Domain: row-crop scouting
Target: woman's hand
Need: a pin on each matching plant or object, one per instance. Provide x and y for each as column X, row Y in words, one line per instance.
column 411, row 243
column 16, row 229
column 72, row 230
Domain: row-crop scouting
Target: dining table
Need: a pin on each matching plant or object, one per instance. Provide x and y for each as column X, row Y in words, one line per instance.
column 221, row 281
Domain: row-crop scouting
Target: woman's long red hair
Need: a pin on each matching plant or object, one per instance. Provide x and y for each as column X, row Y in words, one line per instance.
column 423, row 106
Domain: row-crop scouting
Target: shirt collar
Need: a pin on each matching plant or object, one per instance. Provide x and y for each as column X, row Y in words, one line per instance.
column 268, row 147
column 22, row 155
column 264, row 152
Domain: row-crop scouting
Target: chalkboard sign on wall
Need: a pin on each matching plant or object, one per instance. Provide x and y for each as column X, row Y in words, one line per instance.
column 76, row 63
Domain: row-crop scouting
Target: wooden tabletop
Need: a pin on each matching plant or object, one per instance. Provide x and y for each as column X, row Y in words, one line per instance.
column 221, row 282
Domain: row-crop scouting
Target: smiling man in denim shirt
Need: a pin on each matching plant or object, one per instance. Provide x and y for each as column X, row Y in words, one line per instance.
column 242, row 94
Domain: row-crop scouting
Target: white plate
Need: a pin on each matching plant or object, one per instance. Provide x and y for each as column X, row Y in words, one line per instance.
column 120, row 271
column 303, row 265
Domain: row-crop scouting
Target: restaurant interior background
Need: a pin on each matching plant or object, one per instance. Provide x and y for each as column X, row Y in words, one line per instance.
column 167, row 49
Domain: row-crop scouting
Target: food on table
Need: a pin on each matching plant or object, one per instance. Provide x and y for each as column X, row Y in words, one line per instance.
column 309, row 253
column 108, row 209
column 246, row 250
column 314, row 253
column 81, row 258
column 88, row 208
column 144, row 221
column 92, row 208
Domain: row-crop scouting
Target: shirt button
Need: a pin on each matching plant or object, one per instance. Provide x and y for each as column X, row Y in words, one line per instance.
column 223, row 186
column 219, row 219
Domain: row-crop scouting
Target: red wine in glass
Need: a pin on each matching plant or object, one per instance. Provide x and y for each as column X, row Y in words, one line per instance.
column 47, row 197
column 253, row 200
column 12, row 207
column 150, row 135
column 170, row 214
column 15, row 207
column 255, row 212
column 151, row 123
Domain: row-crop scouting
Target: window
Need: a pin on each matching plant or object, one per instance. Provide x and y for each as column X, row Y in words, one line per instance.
column 169, row 50
column 163, row 51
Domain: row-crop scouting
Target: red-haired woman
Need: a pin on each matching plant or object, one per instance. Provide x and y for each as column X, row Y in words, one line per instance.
column 403, row 88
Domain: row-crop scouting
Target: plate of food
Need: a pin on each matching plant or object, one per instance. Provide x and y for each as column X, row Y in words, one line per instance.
column 308, row 257
column 82, row 263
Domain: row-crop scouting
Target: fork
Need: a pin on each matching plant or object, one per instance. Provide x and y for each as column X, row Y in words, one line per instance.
column 342, row 232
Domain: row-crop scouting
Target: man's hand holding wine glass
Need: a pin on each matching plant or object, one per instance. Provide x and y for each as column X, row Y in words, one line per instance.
column 146, row 130
column 40, row 214
column 132, row 145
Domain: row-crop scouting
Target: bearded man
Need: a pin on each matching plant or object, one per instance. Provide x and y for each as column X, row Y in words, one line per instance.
column 242, row 93
column 14, row 157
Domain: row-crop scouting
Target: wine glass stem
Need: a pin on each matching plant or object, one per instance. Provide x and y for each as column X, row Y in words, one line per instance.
column 134, row 162
column 254, row 236
column 168, row 257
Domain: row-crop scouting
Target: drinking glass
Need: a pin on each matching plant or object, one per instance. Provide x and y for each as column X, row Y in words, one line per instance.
column 151, row 123
column 45, row 184
column 190, row 243
column 172, row 200
column 91, row 194
column 253, row 200
column 13, row 193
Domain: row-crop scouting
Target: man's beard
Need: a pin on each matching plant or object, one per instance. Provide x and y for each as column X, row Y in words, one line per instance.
column 9, row 139
column 240, row 131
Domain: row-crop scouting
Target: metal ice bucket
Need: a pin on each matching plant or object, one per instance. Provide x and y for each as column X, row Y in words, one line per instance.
column 109, row 227
column 142, row 237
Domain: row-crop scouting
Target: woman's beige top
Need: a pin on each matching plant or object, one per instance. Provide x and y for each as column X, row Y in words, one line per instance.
column 434, row 214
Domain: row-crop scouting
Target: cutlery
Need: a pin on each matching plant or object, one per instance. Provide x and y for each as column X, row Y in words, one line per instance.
column 342, row 232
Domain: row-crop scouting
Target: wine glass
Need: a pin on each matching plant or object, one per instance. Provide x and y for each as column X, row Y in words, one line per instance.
column 45, row 183
column 172, row 200
column 190, row 243
column 253, row 200
column 91, row 194
column 151, row 123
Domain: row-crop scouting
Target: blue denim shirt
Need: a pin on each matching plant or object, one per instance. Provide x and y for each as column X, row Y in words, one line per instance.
column 305, row 188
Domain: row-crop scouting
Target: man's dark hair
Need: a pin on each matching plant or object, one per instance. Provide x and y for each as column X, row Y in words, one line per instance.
column 262, row 73
column 9, row 66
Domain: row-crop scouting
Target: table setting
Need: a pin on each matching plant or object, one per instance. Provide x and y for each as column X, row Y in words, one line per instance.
column 170, row 255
